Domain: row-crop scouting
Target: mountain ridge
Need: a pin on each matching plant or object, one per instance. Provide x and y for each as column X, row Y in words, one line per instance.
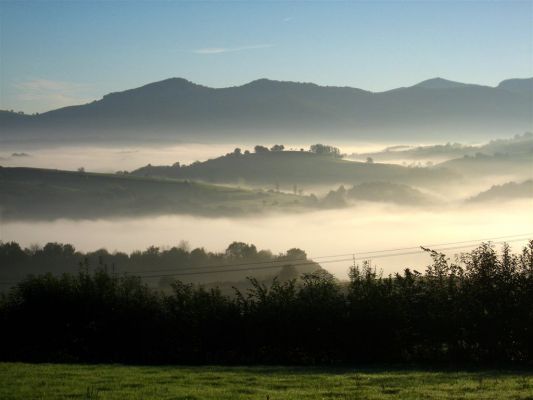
column 177, row 108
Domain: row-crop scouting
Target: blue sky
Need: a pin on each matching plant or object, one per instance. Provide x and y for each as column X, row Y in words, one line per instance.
column 54, row 54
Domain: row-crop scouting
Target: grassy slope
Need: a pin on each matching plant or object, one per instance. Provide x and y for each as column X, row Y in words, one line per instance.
column 300, row 168
column 41, row 193
column 44, row 381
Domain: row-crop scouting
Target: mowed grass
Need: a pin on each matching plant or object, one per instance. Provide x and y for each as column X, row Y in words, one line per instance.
column 55, row 381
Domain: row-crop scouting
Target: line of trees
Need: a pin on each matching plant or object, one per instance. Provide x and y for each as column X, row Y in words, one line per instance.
column 17, row 262
column 476, row 310
column 321, row 149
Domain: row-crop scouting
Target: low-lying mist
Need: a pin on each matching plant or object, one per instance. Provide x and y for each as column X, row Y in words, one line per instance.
column 359, row 229
column 106, row 158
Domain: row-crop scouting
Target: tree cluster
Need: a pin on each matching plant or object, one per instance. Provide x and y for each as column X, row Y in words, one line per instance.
column 323, row 149
column 58, row 258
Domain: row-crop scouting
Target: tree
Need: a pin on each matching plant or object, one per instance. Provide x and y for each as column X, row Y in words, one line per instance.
column 296, row 254
column 369, row 160
column 277, row 147
column 323, row 149
column 261, row 149
column 241, row 250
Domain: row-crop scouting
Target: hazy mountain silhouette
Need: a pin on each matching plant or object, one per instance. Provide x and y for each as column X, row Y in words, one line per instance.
column 440, row 83
column 518, row 85
column 176, row 109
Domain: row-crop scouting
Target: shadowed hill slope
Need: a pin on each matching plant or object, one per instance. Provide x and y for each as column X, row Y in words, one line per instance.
column 29, row 193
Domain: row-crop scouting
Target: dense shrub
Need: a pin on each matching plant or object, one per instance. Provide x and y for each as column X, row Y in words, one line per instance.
column 478, row 310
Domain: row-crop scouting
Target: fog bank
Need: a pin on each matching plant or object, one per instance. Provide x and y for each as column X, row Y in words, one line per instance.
column 355, row 230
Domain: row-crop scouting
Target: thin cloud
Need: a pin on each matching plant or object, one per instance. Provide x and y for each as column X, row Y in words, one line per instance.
column 222, row 50
column 42, row 85
column 51, row 93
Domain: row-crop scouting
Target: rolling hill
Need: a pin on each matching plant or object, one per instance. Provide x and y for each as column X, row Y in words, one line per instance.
column 507, row 191
column 377, row 192
column 41, row 194
column 518, row 166
column 518, row 145
column 301, row 168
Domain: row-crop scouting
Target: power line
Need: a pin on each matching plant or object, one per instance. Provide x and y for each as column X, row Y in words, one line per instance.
column 432, row 245
column 180, row 273
column 284, row 262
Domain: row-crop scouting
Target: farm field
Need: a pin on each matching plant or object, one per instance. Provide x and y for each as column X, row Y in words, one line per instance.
column 67, row 381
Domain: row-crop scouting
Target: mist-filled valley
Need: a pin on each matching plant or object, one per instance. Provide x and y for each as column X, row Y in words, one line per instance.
column 359, row 230
column 322, row 199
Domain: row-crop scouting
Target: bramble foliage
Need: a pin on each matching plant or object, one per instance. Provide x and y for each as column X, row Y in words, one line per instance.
column 477, row 310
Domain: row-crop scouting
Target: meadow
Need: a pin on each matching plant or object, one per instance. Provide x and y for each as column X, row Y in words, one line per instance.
column 68, row 381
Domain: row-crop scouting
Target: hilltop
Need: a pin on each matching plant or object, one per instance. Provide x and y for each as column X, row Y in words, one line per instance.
column 290, row 168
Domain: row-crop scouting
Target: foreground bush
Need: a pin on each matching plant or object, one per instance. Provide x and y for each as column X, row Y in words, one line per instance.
column 479, row 310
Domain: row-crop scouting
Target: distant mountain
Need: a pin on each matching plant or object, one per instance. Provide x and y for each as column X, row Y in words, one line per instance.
column 176, row 109
column 518, row 86
column 439, row 83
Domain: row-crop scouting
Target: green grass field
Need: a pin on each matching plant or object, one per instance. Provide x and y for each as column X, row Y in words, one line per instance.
column 51, row 381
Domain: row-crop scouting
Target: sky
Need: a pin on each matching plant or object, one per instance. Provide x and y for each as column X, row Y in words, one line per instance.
column 54, row 54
